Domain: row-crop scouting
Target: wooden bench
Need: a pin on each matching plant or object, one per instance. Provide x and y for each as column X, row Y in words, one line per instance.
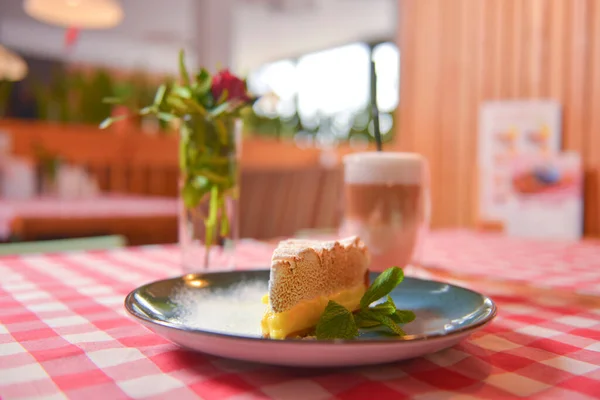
column 283, row 188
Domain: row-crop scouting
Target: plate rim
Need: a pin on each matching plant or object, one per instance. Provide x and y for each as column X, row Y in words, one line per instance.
column 492, row 313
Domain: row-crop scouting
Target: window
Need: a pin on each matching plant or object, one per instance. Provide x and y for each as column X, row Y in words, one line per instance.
column 328, row 92
column 279, row 78
column 333, row 81
column 387, row 66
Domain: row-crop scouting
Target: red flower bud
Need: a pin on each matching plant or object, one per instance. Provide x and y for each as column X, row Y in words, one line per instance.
column 225, row 80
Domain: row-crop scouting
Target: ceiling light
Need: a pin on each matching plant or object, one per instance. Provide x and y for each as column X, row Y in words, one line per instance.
column 12, row 66
column 85, row 14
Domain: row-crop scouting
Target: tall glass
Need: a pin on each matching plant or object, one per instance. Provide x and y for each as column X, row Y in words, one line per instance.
column 209, row 193
column 387, row 204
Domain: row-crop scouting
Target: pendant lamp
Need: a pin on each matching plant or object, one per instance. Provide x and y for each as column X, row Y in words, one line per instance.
column 83, row 14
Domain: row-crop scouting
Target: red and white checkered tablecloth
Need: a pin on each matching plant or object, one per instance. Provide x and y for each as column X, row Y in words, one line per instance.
column 548, row 263
column 64, row 334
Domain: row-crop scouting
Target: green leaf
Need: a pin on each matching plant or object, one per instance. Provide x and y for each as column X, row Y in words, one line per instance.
column 177, row 103
column 183, row 154
column 387, row 308
column 223, row 96
column 403, row 316
column 212, row 176
column 112, row 100
column 191, row 195
column 200, row 182
column 167, row 117
column 182, row 91
column 182, row 69
column 207, row 100
column 203, row 82
column 211, row 221
column 199, row 186
column 382, row 285
column 194, row 107
column 336, row 322
column 219, row 109
column 147, row 110
column 224, row 231
column 213, row 161
column 185, row 133
column 160, row 95
column 363, row 322
column 222, row 131
column 365, row 319
column 110, row 120
column 383, row 319
column 106, row 123
column 214, row 197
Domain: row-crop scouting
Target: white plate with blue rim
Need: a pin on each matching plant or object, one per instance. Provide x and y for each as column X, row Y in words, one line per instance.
column 219, row 314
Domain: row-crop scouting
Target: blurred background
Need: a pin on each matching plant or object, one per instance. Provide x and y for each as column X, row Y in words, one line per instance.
column 450, row 75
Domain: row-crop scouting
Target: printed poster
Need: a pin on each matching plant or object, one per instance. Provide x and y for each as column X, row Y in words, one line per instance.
column 546, row 197
column 508, row 130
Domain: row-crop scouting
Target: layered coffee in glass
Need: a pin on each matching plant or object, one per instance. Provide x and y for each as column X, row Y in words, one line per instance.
column 386, row 203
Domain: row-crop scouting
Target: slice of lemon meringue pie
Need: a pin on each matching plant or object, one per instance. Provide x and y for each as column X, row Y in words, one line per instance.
column 305, row 275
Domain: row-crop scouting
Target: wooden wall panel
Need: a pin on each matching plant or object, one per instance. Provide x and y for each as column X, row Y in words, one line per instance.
column 456, row 54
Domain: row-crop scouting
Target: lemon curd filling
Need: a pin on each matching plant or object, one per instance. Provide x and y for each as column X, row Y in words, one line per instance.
column 306, row 314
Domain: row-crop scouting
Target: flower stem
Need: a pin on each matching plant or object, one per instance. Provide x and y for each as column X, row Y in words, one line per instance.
column 211, row 221
column 224, row 224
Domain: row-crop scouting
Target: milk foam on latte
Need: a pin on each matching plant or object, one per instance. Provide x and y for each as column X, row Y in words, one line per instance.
column 383, row 168
column 385, row 203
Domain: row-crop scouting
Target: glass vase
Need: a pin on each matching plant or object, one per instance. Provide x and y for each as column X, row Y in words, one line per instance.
column 209, row 191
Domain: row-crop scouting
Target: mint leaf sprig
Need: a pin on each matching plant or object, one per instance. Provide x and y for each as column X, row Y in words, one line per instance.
column 337, row 322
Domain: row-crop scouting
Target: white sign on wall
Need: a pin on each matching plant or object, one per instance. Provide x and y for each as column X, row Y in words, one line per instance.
column 508, row 130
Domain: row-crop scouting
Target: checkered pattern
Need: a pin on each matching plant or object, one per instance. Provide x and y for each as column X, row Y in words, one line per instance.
column 554, row 264
column 64, row 334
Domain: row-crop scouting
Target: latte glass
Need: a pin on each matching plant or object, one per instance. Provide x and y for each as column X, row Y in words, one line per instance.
column 387, row 204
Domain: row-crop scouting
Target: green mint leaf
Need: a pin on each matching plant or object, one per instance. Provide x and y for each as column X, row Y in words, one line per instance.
column 387, row 308
column 363, row 322
column 336, row 322
column 382, row 285
column 403, row 316
column 384, row 320
column 364, row 318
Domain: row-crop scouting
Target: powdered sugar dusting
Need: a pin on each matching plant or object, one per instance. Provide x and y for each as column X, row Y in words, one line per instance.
column 236, row 310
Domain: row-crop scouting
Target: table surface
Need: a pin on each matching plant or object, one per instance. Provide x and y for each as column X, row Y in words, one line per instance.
column 64, row 332
column 105, row 205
